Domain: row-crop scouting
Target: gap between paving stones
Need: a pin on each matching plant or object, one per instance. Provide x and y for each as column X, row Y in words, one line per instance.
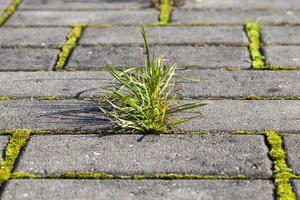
column 68, row 47
column 10, row 10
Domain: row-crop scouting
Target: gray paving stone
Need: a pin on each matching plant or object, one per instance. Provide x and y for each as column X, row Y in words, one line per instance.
column 215, row 57
column 84, row 4
column 64, row 18
column 235, row 17
column 296, row 184
column 143, row 189
column 283, row 55
column 165, row 35
column 213, row 83
column 281, row 35
column 128, row 155
column 3, row 5
column 33, row 36
column 219, row 115
column 26, row 59
column 3, row 142
column 245, row 5
column 292, row 147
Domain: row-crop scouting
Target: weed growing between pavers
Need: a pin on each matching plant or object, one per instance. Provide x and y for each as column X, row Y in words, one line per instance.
column 17, row 141
column 282, row 173
column 9, row 11
column 71, row 43
column 140, row 101
column 253, row 33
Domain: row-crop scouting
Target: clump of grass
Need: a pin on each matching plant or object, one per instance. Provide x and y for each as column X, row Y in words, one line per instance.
column 141, row 99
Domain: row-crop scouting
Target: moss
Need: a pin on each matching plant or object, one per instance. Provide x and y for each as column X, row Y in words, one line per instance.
column 274, row 67
column 17, row 141
column 186, row 176
column 3, row 98
column 20, row 175
column 253, row 33
column 71, row 43
column 282, row 173
column 50, row 98
column 253, row 97
column 165, row 12
column 88, row 175
column 9, row 11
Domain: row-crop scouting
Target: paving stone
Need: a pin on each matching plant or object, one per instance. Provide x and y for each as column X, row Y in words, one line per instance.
column 3, row 142
column 84, row 4
column 219, row 115
column 235, row 17
column 165, row 35
column 226, row 155
column 288, row 35
column 245, row 5
column 292, row 147
column 51, row 115
column 26, row 59
column 296, row 184
column 283, row 55
column 142, row 189
column 215, row 57
column 33, row 36
column 3, row 5
column 64, row 18
column 213, row 83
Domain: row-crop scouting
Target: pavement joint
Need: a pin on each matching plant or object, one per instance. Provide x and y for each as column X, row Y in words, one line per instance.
column 68, row 47
column 9, row 11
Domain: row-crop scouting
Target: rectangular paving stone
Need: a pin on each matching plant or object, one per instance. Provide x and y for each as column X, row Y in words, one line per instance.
column 3, row 5
column 33, row 36
column 3, row 142
column 27, row 59
column 226, row 155
column 84, row 4
column 292, row 147
column 283, row 55
column 65, row 18
column 288, row 35
column 212, row 83
column 235, row 17
column 138, row 189
column 165, row 35
column 218, row 115
column 245, row 5
column 296, row 184
column 183, row 56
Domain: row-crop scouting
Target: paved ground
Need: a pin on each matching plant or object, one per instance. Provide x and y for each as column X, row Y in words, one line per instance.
column 72, row 152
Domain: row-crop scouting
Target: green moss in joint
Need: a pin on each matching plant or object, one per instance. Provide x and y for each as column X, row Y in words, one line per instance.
column 9, row 11
column 282, row 173
column 71, row 43
column 165, row 12
column 20, row 175
column 274, row 67
column 3, row 98
column 87, row 175
column 50, row 98
column 17, row 141
column 253, row 33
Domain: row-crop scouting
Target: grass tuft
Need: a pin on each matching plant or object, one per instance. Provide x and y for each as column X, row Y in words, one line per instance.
column 140, row 100
column 282, row 173
column 253, row 32
column 17, row 141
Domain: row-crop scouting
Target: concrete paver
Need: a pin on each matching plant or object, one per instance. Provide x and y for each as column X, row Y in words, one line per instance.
column 165, row 35
column 86, row 58
column 218, row 115
column 33, row 36
column 67, row 18
column 27, row 59
column 211, row 83
column 292, row 147
column 287, row 35
column 130, row 155
column 283, row 55
column 130, row 189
